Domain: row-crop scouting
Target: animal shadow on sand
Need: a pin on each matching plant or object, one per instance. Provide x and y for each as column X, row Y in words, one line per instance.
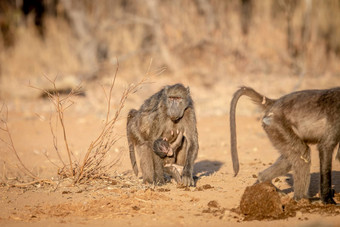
column 206, row 168
column 315, row 183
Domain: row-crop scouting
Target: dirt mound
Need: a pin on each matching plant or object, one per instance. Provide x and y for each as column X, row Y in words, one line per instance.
column 263, row 201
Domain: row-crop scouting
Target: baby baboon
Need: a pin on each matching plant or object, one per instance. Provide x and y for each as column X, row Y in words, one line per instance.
column 291, row 123
column 167, row 152
column 163, row 148
column 170, row 109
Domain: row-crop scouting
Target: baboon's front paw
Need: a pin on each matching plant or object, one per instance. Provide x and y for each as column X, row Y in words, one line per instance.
column 159, row 181
column 328, row 200
column 332, row 192
column 148, row 181
column 187, row 180
column 299, row 197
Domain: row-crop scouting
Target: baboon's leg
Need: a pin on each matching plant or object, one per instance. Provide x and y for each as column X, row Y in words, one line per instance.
column 325, row 153
column 181, row 154
column 158, row 165
column 188, row 169
column 146, row 163
column 173, row 172
column 185, row 158
column 294, row 151
column 301, row 175
column 281, row 167
column 338, row 153
column 178, row 142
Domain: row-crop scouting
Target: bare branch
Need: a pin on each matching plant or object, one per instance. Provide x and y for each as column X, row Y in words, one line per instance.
column 93, row 162
column 10, row 144
column 55, row 142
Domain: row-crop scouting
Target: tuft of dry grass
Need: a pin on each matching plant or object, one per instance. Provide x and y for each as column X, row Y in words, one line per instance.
column 94, row 164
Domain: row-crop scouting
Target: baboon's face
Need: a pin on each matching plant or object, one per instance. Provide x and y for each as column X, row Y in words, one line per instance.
column 176, row 102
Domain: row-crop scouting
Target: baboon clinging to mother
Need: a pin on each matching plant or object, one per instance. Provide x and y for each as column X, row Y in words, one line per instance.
column 292, row 122
column 170, row 109
column 167, row 152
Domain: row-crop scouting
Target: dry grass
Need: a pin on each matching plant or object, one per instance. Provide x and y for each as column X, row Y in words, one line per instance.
column 95, row 164
column 202, row 41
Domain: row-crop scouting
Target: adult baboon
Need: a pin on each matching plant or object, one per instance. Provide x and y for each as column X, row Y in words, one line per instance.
column 291, row 123
column 167, row 152
column 170, row 109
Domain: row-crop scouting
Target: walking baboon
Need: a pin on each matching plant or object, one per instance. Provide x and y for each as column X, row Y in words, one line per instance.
column 170, row 109
column 291, row 123
column 167, row 152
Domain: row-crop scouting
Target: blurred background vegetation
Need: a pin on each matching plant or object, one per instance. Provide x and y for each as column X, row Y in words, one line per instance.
column 202, row 40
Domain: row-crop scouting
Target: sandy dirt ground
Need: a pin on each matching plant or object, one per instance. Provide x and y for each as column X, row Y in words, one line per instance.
column 124, row 200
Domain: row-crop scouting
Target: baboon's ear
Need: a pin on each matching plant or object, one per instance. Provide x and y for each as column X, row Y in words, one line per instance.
column 188, row 90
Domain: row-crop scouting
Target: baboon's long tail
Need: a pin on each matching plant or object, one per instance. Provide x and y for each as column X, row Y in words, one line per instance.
column 131, row 115
column 260, row 100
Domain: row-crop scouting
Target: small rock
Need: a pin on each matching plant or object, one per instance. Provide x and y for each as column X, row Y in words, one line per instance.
column 213, row 204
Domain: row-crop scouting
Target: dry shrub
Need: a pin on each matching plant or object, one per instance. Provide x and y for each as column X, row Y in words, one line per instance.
column 94, row 164
column 4, row 128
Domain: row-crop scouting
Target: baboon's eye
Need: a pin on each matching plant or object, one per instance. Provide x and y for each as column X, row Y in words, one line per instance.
column 174, row 98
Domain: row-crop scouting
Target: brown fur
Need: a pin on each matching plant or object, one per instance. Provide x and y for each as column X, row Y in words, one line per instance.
column 292, row 122
column 167, row 152
column 170, row 109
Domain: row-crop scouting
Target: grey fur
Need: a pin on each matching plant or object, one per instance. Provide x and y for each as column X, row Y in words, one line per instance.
column 292, row 122
column 170, row 109
column 163, row 148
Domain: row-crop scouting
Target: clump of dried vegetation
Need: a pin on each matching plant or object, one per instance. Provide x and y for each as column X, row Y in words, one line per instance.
column 10, row 145
column 94, row 164
column 225, row 37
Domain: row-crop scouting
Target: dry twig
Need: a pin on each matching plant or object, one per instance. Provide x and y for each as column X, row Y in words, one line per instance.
column 4, row 127
column 93, row 163
column 10, row 144
column 61, row 104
